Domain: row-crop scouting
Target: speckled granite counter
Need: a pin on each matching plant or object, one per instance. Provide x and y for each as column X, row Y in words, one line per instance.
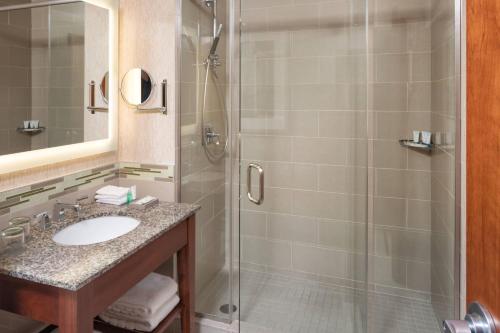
column 71, row 267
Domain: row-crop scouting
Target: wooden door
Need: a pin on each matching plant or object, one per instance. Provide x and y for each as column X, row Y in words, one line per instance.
column 483, row 154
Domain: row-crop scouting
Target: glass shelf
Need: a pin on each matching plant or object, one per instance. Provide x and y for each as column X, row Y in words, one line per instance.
column 415, row 145
column 31, row 131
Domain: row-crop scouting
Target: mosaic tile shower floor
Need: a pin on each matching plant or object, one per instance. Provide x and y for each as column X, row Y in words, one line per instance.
column 278, row 304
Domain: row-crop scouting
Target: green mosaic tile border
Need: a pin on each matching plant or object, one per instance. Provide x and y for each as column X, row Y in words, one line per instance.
column 28, row 196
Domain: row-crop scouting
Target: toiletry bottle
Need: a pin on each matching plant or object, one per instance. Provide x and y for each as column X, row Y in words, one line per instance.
column 130, row 196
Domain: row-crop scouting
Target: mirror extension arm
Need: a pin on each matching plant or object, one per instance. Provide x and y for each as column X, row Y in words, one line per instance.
column 92, row 108
column 163, row 108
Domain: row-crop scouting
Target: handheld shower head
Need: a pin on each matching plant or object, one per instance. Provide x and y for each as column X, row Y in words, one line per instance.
column 215, row 42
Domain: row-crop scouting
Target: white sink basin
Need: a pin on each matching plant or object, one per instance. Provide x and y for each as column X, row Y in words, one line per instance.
column 95, row 231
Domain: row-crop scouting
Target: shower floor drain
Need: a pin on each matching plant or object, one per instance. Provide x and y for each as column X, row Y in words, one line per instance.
column 225, row 308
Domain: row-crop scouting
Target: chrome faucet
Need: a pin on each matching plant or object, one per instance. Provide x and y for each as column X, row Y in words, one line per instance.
column 60, row 208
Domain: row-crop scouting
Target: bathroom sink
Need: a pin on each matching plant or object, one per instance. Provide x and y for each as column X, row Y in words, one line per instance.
column 94, row 231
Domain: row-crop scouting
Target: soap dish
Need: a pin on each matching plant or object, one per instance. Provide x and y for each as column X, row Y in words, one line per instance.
column 145, row 203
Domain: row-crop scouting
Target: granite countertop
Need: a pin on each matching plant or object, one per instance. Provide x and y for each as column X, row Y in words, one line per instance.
column 72, row 267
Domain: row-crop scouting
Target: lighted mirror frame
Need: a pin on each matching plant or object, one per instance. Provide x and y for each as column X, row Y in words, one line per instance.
column 30, row 159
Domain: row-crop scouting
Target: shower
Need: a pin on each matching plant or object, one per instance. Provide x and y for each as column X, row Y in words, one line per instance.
column 209, row 135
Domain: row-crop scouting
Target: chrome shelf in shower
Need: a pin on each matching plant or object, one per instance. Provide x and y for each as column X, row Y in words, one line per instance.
column 414, row 145
column 31, row 131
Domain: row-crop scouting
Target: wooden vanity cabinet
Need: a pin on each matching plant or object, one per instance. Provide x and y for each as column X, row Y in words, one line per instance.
column 75, row 311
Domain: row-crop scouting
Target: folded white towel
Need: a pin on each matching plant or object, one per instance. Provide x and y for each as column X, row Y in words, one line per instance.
column 112, row 197
column 112, row 201
column 57, row 331
column 113, row 191
column 146, row 297
column 146, row 324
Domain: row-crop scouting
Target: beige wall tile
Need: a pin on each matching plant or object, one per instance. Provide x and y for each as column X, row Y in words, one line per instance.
column 389, row 211
column 253, row 223
column 390, row 38
column 297, row 123
column 402, row 184
column 265, row 252
column 389, row 154
column 403, row 244
column 342, row 235
column 288, row 175
column 319, row 150
column 275, row 200
column 343, row 179
column 340, row 124
column 419, row 96
column 419, row 276
column 266, row 148
column 392, row 125
column 392, row 67
column 389, row 96
column 418, row 160
column 329, row 205
column 319, row 261
column 389, row 271
column 419, row 214
column 343, row 69
column 293, row 228
column 296, row 17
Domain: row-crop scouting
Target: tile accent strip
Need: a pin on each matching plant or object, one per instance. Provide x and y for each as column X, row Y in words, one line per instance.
column 27, row 196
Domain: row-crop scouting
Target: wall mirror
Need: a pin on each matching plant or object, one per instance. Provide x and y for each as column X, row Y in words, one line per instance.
column 137, row 87
column 60, row 48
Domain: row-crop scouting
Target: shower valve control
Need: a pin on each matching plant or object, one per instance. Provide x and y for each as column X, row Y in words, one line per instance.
column 211, row 136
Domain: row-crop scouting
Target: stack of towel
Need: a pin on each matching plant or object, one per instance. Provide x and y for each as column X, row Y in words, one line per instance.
column 144, row 306
column 113, row 195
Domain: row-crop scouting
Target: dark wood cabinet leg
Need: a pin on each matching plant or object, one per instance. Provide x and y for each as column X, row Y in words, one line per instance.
column 75, row 312
column 186, row 274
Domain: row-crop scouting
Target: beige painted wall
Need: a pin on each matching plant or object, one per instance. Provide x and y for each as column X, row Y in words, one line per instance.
column 147, row 40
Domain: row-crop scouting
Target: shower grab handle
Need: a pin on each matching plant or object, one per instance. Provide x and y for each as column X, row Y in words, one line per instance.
column 257, row 167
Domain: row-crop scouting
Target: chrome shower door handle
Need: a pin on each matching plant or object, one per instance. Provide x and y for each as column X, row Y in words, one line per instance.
column 259, row 169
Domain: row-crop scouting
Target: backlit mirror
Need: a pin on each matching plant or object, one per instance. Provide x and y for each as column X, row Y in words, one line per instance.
column 104, row 87
column 59, row 50
column 136, row 87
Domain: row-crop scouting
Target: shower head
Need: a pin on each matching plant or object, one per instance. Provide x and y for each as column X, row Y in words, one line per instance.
column 215, row 42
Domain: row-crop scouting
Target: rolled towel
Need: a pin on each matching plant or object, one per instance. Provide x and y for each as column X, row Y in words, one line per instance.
column 146, row 297
column 146, row 324
column 113, row 191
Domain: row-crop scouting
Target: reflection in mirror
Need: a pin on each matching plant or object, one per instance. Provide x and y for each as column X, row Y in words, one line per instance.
column 58, row 49
column 104, row 87
column 137, row 87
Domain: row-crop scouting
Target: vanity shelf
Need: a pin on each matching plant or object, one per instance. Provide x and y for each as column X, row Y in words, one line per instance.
column 162, row 327
column 31, row 131
column 414, row 145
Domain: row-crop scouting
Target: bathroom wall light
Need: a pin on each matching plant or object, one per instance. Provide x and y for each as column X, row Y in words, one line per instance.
column 36, row 158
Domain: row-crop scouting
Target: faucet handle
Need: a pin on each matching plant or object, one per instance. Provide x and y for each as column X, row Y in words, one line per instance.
column 43, row 219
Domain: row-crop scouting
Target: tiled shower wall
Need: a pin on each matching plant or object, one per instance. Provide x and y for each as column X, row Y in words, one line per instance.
column 65, row 94
column 443, row 118
column 400, row 93
column 15, row 82
column 202, row 182
column 304, row 119
column 57, row 70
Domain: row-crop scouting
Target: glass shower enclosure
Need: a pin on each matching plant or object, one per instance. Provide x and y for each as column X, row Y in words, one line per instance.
column 319, row 212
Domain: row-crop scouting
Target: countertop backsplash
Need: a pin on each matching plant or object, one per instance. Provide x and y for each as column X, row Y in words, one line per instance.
column 28, row 200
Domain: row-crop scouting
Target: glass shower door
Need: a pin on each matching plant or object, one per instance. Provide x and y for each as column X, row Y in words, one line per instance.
column 303, row 166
